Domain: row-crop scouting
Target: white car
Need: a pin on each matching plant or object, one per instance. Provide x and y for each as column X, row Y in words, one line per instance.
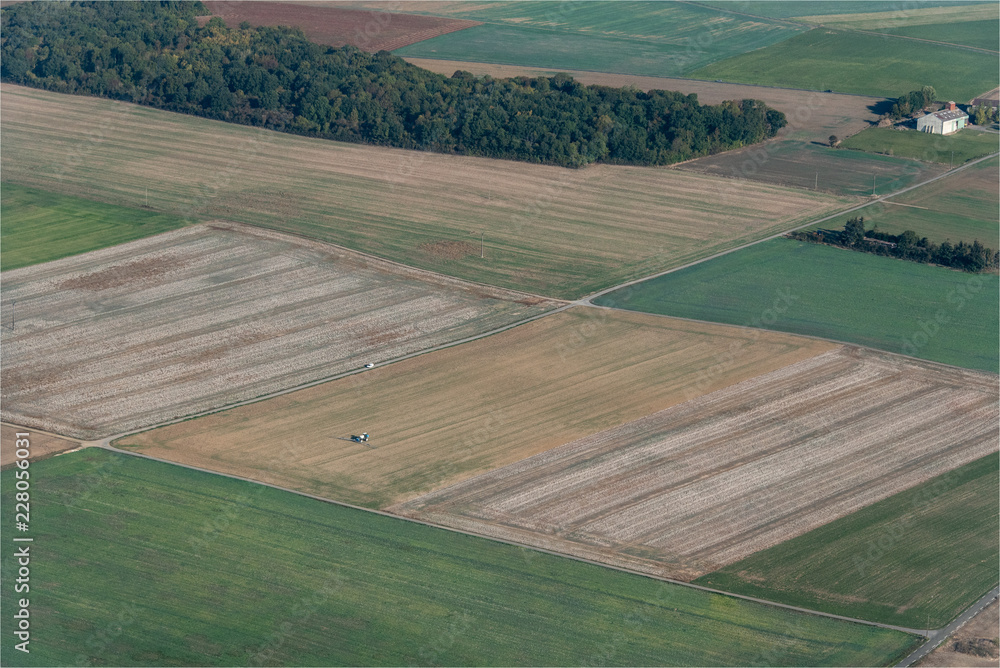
column 369, row 365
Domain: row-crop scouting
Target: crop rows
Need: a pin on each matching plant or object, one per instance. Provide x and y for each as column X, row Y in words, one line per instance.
column 185, row 321
column 706, row 483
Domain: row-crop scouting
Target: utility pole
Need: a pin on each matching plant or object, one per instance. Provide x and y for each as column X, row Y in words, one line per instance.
column 147, row 197
column 13, row 301
column 482, row 246
column 816, row 187
column 873, row 185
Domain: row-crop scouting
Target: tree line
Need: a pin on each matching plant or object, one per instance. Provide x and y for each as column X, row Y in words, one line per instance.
column 156, row 54
column 907, row 246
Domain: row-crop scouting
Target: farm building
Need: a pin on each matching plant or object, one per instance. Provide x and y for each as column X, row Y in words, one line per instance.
column 948, row 120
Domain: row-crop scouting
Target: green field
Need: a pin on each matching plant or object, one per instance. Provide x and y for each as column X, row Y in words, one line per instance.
column 961, row 207
column 915, row 559
column 805, row 288
column 654, row 39
column 143, row 563
column 981, row 34
column 784, row 9
column 39, row 226
column 951, row 150
column 861, row 63
column 808, row 165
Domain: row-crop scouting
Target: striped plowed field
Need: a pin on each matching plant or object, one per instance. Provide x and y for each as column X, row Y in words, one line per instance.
column 703, row 484
column 193, row 319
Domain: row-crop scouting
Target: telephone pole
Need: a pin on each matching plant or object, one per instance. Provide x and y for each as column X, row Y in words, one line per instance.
column 873, row 185
column 482, row 246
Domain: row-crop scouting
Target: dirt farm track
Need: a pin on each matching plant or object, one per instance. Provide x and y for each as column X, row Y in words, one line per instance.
column 703, row 484
column 184, row 321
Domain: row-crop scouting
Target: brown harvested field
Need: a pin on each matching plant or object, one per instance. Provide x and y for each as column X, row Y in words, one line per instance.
column 812, row 116
column 983, row 627
column 992, row 95
column 42, row 446
column 697, row 486
column 807, row 165
column 369, row 30
column 446, row 416
column 128, row 336
column 548, row 230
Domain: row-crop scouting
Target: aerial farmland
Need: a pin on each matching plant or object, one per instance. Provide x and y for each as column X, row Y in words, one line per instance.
column 510, row 333
column 235, row 307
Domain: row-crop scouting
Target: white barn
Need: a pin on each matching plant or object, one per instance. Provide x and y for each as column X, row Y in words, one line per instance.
column 944, row 122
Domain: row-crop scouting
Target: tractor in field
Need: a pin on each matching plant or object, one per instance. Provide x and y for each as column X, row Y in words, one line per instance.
column 363, row 438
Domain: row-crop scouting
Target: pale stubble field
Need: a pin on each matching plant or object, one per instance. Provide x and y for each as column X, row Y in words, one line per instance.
column 193, row 319
column 548, row 230
column 697, row 486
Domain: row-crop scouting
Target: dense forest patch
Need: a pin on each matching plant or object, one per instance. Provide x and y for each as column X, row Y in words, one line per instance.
column 156, row 54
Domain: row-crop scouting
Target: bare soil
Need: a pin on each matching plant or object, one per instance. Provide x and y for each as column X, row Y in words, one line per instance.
column 983, row 627
column 179, row 323
column 451, row 250
column 42, row 446
column 701, row 485
column 369, row 30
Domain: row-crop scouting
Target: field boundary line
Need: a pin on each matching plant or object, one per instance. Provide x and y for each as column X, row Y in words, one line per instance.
column 42, row 431
column 586, row 301
column 320, row 381
column 812, row 26
column 942, row 634
column 646, row 76
column 105, row 445
column 920, row 360
column 407, row 268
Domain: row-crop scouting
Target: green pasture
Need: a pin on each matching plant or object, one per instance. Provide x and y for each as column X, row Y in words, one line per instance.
column 136, row 562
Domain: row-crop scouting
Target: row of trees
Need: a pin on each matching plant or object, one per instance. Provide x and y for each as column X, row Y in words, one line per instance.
column 907, row 246
column 155, row 53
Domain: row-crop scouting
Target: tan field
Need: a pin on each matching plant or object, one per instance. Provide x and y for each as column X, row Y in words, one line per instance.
column 984, row 626
column 129, row 336
column 446, row 416
column 911, row 16
column 547, row 230
column 812, row 115
column 42, row 446
column 698, row 486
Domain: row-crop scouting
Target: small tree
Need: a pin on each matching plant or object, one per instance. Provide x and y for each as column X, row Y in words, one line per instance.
column 929, row 94
column 833, row 140
column 982, row 115
column 854, row 231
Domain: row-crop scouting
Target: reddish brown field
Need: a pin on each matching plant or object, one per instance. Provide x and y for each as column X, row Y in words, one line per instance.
column 368, row 30
column 708, row 482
